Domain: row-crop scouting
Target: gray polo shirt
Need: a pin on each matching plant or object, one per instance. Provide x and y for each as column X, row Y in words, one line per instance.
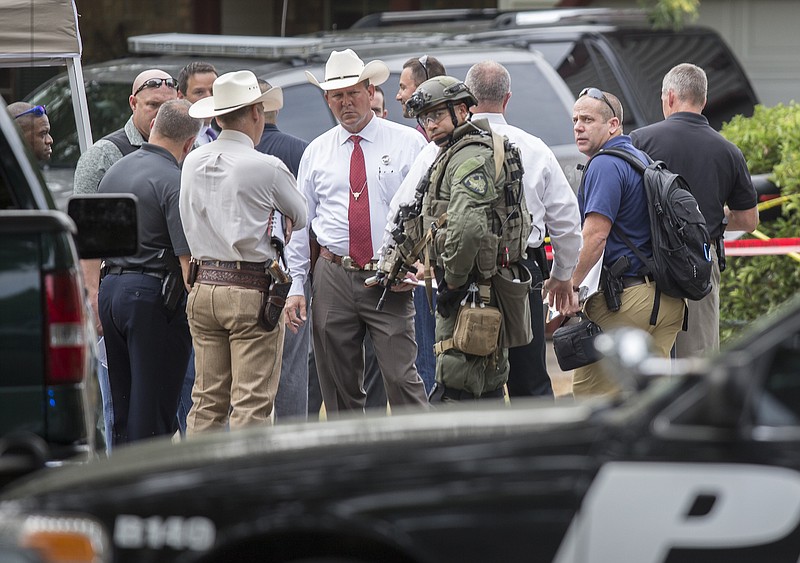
column 154, row 176
column 94, row 163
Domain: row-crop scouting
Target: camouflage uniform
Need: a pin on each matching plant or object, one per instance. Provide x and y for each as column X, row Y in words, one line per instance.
column 462, row 184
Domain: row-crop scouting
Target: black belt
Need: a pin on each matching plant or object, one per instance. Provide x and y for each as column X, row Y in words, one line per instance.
column 440, row 393
column 630, row 281
column 119, row 270
column 236, row 265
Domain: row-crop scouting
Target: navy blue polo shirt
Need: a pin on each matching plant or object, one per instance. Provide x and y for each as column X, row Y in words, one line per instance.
column 612, row 188
column 154, row 176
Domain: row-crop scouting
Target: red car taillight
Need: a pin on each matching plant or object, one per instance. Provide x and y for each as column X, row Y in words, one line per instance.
column 65, row 329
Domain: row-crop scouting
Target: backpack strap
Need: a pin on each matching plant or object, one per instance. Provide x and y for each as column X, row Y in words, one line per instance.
column 640, row 167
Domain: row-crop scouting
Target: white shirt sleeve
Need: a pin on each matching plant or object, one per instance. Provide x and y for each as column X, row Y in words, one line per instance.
column 405, row 194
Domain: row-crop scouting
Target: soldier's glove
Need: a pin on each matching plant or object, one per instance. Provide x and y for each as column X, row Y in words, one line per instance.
column 448, row 300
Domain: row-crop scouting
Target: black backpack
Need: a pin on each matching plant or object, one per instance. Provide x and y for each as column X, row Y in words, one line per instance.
column 681, row 262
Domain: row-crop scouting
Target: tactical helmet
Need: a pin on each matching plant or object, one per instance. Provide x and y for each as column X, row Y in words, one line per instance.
column 438, row 90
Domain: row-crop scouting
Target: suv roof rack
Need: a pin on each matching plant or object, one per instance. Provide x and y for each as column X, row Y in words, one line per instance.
column 389, row 19
column 223, row 45
column 571, row 16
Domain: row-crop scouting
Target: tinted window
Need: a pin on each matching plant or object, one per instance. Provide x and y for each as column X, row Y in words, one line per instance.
column 536, row 107
column 582, row 66
column 648, row 57
column 305, row 113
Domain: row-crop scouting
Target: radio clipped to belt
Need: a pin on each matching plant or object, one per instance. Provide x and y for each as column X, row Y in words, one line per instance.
column 477, row 329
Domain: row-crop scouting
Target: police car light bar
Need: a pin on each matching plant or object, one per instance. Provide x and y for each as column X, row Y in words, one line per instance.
column 223, row 45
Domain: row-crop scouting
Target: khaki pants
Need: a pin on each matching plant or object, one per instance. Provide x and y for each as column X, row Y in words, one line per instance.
column 637, row 305
column 702, row 333
column 237, row 362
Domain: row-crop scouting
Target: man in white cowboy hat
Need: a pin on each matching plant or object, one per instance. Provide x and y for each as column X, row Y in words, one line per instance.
column 228, row 190
column 349, row 175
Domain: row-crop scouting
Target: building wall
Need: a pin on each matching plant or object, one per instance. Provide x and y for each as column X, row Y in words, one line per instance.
column 764, row 36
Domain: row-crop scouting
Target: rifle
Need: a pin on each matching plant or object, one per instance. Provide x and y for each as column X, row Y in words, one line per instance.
column 402, row 252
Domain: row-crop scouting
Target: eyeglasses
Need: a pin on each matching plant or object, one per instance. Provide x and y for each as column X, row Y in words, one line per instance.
column 38, row 111
column 432, row 117
column 156, row 83
column 597, row 94
column 423, row 62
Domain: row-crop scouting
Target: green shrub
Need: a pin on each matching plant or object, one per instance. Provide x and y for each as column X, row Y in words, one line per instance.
column 752, row 286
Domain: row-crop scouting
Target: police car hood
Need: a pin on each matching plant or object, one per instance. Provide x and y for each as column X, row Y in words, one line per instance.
column 538, row 419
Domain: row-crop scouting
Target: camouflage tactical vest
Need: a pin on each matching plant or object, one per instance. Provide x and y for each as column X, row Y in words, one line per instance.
column 507, row 214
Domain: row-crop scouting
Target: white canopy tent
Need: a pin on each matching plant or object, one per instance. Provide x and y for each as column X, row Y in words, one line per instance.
column 45, row 33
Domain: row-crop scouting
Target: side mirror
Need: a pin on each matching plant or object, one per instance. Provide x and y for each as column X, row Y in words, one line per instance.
column 107, row 224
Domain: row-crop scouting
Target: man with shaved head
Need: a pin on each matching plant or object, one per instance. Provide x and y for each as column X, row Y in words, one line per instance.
column 149, row 91
column 35, row 127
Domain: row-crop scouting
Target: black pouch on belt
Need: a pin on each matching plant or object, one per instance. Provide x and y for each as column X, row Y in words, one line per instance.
column 272, row 302
column 172, row 291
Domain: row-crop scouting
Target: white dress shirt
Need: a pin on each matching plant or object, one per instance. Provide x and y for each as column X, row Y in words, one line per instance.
column 228, row 190
column 324, row 178
column 549, row 196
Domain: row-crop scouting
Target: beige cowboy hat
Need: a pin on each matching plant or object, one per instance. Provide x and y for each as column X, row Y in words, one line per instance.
column 344, row 69
column 235, row 90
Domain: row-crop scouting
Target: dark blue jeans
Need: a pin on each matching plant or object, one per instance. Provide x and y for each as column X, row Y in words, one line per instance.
column 148, row 351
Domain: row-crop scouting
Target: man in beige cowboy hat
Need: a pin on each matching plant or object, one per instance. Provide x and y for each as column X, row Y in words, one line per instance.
column 228, row 190
column 349, row 175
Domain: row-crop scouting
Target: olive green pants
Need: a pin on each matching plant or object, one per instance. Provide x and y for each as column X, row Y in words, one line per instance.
column 466, row 372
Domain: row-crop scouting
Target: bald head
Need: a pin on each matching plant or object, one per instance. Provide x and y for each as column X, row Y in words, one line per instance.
column 147, row 75
column 146, row 102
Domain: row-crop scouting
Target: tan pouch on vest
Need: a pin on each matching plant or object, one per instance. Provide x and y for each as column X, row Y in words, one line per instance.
column 477, row 331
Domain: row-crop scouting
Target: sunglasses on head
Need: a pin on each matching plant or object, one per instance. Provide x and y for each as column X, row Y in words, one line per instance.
column 38, row 111
column 423, row 62
column 156, row 83
column 597, row 94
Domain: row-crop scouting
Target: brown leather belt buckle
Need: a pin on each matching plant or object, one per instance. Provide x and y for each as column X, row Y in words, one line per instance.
column 350, row 265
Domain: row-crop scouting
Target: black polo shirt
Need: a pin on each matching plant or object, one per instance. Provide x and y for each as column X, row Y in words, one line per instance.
column 154, row 176
column 713, row 166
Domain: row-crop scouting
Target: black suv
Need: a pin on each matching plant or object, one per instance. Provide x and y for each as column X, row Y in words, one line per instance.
column 616, row 50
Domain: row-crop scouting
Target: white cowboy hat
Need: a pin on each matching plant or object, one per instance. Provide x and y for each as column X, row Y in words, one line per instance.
column 344, row 69
column 235, row 90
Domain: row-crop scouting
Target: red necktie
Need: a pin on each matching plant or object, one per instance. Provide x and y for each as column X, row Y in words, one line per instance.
column 358, row 208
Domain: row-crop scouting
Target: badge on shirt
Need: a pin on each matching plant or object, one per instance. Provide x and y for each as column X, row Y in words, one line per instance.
column 475, row 182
